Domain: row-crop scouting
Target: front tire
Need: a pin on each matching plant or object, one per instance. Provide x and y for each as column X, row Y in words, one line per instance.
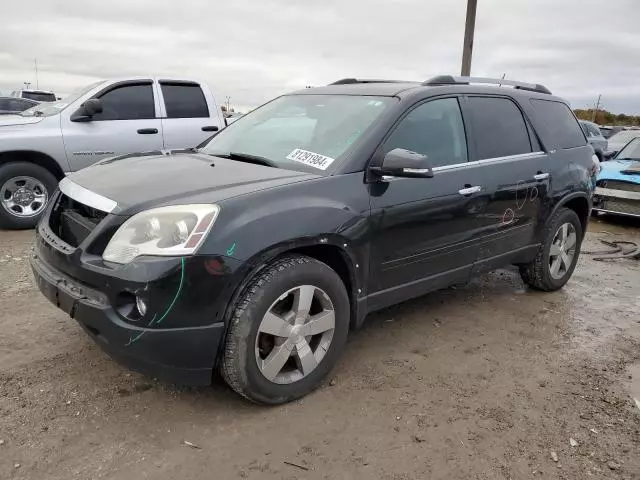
column 558, row 255
column 287, row 331
column 25, row 189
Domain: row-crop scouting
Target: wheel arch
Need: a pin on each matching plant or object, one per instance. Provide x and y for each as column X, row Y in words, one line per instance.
column 38, row 158
column 578, row 202
column 332, row 250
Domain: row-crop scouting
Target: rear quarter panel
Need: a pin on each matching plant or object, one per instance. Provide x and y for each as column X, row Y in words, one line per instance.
column 571, row 170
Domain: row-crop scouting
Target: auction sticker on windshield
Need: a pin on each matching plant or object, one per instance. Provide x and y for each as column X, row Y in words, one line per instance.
column 312, row 159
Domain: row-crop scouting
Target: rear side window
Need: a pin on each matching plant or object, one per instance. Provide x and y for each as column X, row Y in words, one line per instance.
column 39, row 96
column 498, row 127
column 563, row 127
column 184, row 100
column 127, row 102
column 593, row 131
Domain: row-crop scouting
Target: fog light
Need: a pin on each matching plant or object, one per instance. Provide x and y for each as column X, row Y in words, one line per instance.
column 141, row 305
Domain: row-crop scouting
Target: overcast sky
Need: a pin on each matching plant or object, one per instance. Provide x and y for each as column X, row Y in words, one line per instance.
column 253, row 50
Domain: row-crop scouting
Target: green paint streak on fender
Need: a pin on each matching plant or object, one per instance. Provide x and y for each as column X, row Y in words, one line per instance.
column 164, row 315
column 173, row 302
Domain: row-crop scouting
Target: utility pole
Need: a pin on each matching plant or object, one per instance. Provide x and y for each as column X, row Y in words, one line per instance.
column 35, row 60
column 595, row 112
column 469, row 28
column 228, row 102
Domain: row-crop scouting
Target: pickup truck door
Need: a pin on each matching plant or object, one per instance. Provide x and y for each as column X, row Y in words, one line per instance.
column 128, row 124
column 189, row 114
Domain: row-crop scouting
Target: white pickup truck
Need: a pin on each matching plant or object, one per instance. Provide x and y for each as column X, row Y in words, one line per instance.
column 42, row 144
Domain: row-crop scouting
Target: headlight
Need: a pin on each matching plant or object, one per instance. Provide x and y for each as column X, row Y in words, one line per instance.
column 174, row 230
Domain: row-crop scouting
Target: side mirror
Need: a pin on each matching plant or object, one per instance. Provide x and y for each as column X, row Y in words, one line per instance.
column 404, row 163
column 87, row 110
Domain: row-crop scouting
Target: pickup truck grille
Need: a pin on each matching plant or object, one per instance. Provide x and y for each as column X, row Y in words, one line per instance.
column 73, row 221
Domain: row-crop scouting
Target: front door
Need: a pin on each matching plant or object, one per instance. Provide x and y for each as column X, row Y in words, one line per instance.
column 426, row 231
column 127, row 124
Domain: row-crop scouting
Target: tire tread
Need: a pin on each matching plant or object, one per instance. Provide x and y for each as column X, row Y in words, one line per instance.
column 230, row 366
column 535, row 273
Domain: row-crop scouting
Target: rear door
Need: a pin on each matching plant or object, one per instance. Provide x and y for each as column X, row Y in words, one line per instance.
column 515, row 173
column 127, row 124
column 188, row 119
column 425, row 230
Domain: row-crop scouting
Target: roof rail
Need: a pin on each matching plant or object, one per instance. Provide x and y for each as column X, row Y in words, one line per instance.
column 349, row 81
column 451, row 80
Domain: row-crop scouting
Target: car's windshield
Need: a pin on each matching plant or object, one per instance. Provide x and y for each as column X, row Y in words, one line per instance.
column 624, row 137
column 300, row 132
column 53, row 108
column 631, row 151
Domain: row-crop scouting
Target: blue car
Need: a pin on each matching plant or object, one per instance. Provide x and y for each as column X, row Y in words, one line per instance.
column 618, row 183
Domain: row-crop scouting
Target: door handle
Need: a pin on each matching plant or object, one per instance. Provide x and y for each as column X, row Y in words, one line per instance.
column 148, row 131
column 470, row 190
column 209, row 128
column 540, row 176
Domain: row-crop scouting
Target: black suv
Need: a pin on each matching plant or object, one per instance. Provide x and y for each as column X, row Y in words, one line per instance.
column 259, row 251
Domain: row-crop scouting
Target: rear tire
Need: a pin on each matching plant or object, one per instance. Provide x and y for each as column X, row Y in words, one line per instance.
column 25, row 189
column 555, row 261
column 267, row 326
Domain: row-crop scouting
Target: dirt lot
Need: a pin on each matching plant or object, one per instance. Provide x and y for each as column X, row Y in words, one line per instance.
column 479, row 382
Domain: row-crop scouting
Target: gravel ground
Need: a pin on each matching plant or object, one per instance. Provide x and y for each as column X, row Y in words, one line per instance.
column 486, row 381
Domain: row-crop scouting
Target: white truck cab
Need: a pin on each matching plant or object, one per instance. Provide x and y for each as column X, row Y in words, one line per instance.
column 108, row 118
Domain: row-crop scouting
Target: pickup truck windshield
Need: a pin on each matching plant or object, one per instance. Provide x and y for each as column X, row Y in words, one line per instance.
column 53, row 108
column 300, row 132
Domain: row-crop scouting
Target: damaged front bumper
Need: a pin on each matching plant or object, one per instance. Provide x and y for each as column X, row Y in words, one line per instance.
column 619, row 202
column 177, row 336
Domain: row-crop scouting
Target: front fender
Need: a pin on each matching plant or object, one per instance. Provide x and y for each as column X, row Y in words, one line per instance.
column 43, row 137
column 331, row 212
column 333, row 208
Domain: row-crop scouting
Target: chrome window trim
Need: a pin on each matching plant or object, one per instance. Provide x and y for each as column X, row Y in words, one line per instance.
column 457, row 166
column 520, row 156
column 85, row 196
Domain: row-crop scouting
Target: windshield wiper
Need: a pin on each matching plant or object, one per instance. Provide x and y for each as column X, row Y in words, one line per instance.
column 247, row 157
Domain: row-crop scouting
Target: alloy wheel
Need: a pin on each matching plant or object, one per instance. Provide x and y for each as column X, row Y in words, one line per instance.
column 562, row 251
column 295, row 334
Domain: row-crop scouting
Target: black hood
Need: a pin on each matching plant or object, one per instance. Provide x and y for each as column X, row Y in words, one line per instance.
column 141, row 181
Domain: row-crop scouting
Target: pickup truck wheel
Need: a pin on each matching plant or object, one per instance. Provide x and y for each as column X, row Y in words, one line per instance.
column 558, row 254
column 287, row 331
column 25, row 189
